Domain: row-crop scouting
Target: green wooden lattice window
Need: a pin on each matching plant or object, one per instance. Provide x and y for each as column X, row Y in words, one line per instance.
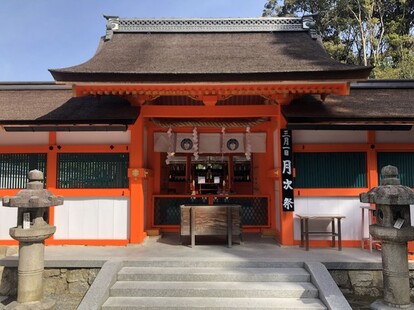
column 14, row 168
column 403, row 161
column 93, row 170
column 330, row 170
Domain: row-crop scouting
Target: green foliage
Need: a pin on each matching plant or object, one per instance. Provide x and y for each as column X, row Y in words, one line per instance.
column 377, row 33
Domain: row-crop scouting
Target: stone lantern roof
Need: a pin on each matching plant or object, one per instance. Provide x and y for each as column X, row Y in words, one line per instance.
column 34, row 196
column 390, row 192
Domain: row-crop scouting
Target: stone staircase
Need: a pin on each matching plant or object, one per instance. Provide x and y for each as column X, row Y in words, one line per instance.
column 213, row 285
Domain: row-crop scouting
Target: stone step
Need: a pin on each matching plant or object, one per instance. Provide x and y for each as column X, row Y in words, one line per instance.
column 212, row 263
column 214, row 289
column 131, row 303
column 221, row 274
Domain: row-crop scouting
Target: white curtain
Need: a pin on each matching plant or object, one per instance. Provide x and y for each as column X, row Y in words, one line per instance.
column 184, row 143
column 209, row 143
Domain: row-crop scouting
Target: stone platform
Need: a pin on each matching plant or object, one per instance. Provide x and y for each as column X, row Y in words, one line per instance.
column 352, row 268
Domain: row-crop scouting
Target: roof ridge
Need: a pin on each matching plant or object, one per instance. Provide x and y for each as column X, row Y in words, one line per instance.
column 234, row 24
column 11, row 86
column 383, row 84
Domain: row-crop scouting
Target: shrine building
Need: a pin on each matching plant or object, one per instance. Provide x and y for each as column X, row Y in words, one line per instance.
column 247, row 111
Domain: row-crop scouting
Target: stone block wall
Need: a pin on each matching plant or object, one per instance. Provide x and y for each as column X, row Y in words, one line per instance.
column 364, row 282
column 8, row 276
column 66, row 286
column 359, row 282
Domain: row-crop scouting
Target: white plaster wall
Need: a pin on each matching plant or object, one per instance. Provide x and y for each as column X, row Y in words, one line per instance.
column 348, row 206
column 24, row 138
column 412, row 214
column 93, row 218
column 108, row 137
column 394, row 136
column 328, row 136
column 8, row 218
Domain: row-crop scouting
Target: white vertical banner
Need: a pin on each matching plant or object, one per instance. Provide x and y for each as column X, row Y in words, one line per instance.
column 288, row 203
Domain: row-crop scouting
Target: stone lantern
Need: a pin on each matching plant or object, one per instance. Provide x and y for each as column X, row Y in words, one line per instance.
column 393, row 228
column 32, row 229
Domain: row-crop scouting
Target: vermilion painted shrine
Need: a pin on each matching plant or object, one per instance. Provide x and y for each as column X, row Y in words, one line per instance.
column 247, row 111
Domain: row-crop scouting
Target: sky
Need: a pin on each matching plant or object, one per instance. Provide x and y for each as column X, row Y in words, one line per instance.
column 37, row 35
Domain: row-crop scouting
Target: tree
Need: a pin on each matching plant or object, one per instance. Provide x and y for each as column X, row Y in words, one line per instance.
column 365, row 32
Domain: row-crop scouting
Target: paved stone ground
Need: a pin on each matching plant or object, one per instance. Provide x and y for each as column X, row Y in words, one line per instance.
column 359, row 302
column 63, row 301
column 70, row 301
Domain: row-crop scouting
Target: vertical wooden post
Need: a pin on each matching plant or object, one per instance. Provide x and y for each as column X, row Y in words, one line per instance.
column 372, row 161
column 150, row 181
column 136, row 184
column 51, row 177
column 230, row 172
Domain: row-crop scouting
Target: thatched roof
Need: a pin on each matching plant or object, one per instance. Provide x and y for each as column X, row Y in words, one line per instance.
column 193, row 55
column 51, row 104
column 375, row 102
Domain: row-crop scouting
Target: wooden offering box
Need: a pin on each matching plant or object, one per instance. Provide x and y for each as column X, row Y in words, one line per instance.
column 210, row 220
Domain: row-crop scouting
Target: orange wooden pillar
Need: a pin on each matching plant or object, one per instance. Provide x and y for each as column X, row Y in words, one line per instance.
column 151, row 164
column 51, row 176
column 267, row 164
column 372, row 161
column 136, row 183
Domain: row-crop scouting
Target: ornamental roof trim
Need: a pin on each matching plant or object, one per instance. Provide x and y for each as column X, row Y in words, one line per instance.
column 259, row 24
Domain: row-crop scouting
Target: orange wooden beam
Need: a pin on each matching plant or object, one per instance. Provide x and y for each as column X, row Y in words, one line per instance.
column 9, row 149
column 209, row 111
column 81, row 148
column 297, row 148
column 8, row 192
column 92, row 192
column 109, row 148
column 329, row 192
column 210, row 100
column 91, row 242
column 222, row 90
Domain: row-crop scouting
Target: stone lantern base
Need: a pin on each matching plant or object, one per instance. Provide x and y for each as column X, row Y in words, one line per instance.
column 381, row 305
column 45, row 304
